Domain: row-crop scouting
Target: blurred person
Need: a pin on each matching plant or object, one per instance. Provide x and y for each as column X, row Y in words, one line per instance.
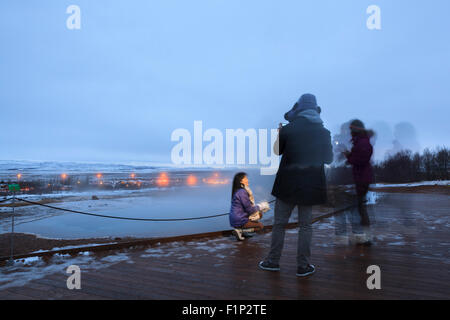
column 359, row 158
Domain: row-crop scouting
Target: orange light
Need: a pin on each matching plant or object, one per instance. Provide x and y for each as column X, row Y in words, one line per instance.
column 133, row 175
column 19, row 176
column 215, row 179
column 163, row 180
column 64, row 176
column 191, row 180
column 99, row 175
column 101, row 182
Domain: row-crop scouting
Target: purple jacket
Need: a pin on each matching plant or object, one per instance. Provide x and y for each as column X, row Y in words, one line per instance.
column 359, row 158
column 241, row 209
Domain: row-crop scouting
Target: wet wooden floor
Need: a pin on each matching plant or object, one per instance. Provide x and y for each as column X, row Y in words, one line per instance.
column 411, row 248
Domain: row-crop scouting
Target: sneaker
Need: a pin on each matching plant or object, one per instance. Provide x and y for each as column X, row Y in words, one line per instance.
column 303, row 272
column 269, row 266
column 238, row 234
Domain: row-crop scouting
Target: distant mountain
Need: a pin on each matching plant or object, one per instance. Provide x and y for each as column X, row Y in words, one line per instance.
column 47, row 167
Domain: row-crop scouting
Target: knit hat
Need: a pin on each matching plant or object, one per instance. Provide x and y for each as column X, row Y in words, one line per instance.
column 306, row 102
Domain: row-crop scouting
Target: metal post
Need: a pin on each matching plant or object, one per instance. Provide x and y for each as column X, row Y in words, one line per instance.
column 11, row 260
column 12, row 227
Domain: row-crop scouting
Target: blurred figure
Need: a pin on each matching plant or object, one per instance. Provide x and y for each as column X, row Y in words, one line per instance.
column 405, row 138
column 244, row 214
column 341, row 143
column 359, row 157
column 305, row 146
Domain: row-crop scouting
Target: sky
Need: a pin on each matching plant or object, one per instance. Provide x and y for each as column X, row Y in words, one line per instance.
column 115, row 89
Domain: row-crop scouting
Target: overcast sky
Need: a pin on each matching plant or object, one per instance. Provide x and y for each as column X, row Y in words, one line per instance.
column 139, row 69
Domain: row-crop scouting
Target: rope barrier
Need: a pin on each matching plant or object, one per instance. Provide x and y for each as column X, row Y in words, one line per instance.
column 4, row 200
column 123, row 218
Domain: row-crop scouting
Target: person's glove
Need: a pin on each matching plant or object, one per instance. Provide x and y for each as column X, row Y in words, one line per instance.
column 264, row 206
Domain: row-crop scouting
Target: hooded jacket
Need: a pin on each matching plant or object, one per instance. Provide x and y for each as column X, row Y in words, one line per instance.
column 359, row 158
column 305, row 146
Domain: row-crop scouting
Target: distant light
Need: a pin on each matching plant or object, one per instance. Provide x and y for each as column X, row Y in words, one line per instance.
column 99, row 175
column 133, row 175
column 163, row 180
column 64, row 176
column 19, row 175
column 215, row 179
column 191, row 180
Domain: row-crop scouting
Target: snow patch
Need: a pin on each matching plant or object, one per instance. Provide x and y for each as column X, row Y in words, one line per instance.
column 415, row 184
column 220, row 246
column 29, row 269
column 116, row 258
column 399, row 243
column 372, row 197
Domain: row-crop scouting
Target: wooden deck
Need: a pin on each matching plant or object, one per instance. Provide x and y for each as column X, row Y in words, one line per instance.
column 412, row 250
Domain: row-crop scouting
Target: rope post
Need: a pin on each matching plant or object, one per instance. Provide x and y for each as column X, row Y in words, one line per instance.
column 11, row 259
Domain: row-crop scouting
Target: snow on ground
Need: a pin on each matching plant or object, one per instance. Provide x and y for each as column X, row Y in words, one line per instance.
column 33, row 268
column 414, row 184
column 72, row 247
column 373, row 197
column 56, row 167
column 220, row 247
column 84, row 195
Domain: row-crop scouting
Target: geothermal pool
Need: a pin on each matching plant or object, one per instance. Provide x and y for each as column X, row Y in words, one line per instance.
column 172, row 202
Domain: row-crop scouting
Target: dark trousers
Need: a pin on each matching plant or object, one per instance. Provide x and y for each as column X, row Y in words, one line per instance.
column 283, row 212
column 361, row 192
column 258, row 226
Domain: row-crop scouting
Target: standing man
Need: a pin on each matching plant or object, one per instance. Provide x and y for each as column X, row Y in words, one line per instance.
column 305, row 146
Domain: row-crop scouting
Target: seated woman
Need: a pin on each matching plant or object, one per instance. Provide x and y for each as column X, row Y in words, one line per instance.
column 244, row 214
